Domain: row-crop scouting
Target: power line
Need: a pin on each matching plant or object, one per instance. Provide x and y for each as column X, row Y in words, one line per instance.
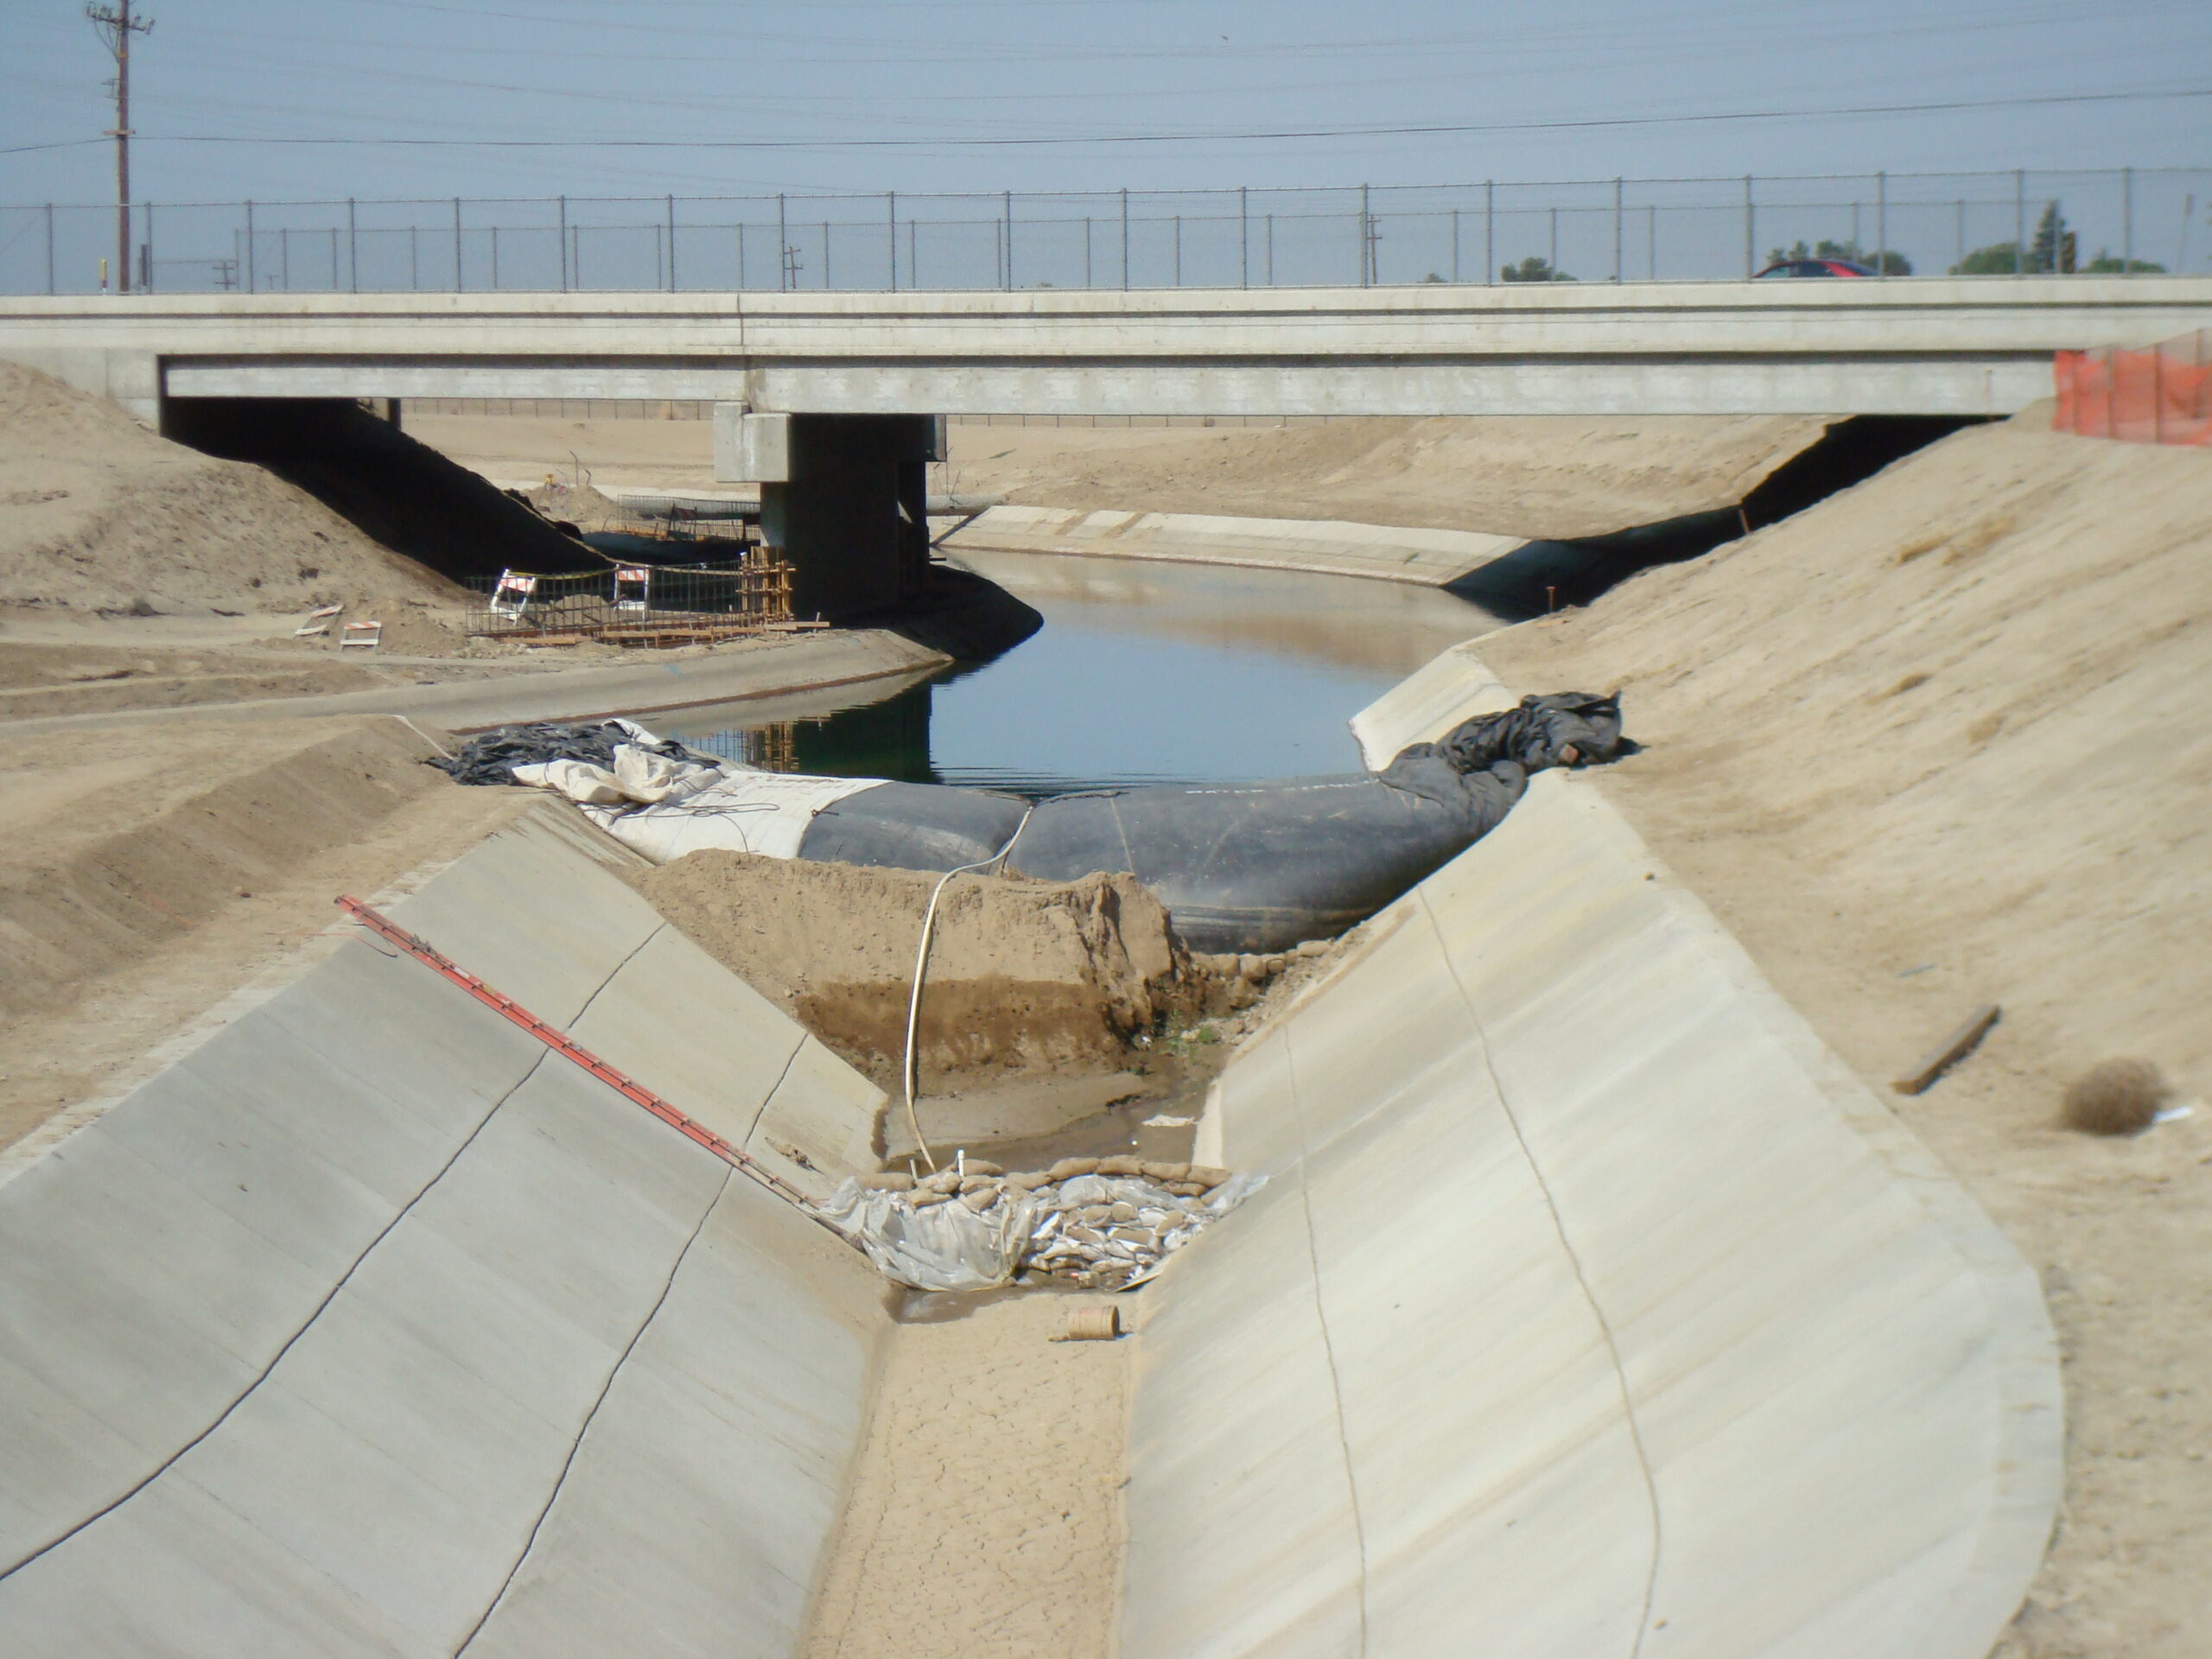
column 1271, row 135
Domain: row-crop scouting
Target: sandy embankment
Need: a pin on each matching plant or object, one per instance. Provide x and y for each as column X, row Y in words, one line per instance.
column 1935, row 742
column 190, row 784
column 1556, row 478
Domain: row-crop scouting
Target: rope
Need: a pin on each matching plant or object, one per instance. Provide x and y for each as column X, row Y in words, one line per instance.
column 921, row 965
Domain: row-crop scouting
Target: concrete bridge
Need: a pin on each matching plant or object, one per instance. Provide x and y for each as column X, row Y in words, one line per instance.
column 1946, row 346
column 792, row 369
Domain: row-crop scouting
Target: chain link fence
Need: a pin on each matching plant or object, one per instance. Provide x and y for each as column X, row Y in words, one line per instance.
column 2134, row 219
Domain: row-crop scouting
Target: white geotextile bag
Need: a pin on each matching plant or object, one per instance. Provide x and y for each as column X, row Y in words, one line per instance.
column 640, row 778
column 938, row 1247
column 764, row 812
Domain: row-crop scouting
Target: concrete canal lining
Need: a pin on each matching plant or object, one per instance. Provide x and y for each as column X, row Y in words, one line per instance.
column 1592, row 1307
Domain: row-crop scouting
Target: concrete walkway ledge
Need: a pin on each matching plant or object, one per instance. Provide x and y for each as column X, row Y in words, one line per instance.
column 1592, row 1307
column 1429, row 558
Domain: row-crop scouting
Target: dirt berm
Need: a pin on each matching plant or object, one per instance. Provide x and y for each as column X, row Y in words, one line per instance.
column 100, row 515
column 1024, row 976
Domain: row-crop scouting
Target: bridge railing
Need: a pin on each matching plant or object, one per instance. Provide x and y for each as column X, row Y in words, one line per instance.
column 1603, row 230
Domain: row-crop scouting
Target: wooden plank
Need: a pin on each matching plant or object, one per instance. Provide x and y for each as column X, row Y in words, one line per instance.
column 1949, row 1051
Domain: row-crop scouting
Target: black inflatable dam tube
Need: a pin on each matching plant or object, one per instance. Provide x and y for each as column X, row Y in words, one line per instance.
column 1240, row 867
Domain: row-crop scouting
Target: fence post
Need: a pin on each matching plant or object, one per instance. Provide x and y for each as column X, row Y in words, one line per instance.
column 1750, row 231
column 146, row 253
column 826, row 282
column 1882, row 224
column 250, row 286
column 49, row 247
column 353, row 248
column 2128, row 222
column 495, row 257
column 891, row 219
column 1243, row 239
column 1125, row 241
column 1962, row 230
column 1178, row 249
column 2020, row 221
column 1366, row 244
column 741, row 251
column 1455, row 247
column 672, row 243
column 1651, row 240
column 783, row 246
column 1490, row 231
column 1271, row 249
column 564, row 244
column 1086, row 250
column 1616, row 230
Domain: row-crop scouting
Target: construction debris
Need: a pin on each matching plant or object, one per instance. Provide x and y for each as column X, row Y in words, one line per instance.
column 1099, row 1223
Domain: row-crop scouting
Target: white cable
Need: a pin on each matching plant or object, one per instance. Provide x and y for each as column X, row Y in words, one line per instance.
column 921, row 963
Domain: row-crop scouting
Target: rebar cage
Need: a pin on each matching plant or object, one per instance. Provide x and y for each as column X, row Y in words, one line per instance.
column 639, row 603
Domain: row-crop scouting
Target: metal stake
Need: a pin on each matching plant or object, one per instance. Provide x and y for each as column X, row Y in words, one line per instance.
column 1751, row 231
column 2128, row 222
column 1882, row 225
column 459, row 285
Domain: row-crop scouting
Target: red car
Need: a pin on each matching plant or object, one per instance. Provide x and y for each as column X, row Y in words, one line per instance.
column 1817, row 268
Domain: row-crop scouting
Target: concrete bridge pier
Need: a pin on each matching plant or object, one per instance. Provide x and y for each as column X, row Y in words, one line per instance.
column 844, row 496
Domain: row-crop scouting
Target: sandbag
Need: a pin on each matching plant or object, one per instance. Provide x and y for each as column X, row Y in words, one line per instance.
column 914, row 827
column 1260, row 867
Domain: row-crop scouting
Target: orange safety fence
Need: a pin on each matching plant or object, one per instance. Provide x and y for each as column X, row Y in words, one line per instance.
column 2162, row 394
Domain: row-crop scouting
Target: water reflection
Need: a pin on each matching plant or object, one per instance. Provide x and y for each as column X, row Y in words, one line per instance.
column 1142, row 673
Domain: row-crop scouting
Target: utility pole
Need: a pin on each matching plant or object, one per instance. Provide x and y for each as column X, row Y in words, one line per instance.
column 115, row 26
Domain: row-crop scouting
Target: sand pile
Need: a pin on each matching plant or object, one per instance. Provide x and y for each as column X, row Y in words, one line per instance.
column 1024, row 976
column 1551, row 477
column 100, row 515
column 1936, row 742
column 573, row 504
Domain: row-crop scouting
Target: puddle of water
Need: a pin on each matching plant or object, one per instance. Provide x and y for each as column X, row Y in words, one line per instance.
column 1142, row 673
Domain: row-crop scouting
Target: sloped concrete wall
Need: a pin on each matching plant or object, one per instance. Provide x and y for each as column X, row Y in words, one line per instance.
column 372, row 1326
column 1593, row 1308
column 1428, row 557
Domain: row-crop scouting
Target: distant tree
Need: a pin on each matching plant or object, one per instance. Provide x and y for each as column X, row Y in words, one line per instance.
column 1534, row 268
column 2053, row 248
column 2111, row 265
column 1432, row 277
column 1997, row 259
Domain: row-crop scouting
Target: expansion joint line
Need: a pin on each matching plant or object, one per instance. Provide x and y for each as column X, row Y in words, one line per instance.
column 1328, row 1341
column 569, row 1049
column 583, row 1430
column 1581, row 1278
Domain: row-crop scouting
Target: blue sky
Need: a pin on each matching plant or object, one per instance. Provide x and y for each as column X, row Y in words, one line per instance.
column 919, row 72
